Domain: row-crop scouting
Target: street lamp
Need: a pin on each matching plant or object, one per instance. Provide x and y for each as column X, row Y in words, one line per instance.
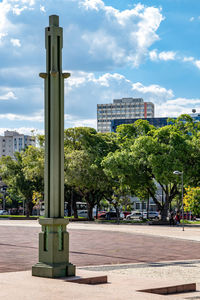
column 181, row 173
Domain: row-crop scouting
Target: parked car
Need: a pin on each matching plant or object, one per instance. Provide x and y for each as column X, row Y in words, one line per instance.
column 83, row 213
column 110, row 215
column 134, row 216
column 126, row 213
column 3, row 212
column 140, row 215
column 101, row 213
column 152, row 215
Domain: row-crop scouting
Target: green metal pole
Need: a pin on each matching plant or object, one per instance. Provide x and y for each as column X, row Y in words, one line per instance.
column 54, row 239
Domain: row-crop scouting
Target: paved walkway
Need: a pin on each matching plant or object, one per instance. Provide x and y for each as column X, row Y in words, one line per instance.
column 96, row 244
column 135, row 257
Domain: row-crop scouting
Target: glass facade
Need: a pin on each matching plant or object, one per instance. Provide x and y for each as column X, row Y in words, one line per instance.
column 157, row 122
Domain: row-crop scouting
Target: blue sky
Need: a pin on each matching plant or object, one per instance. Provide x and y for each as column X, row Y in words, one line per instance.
column 148, row 49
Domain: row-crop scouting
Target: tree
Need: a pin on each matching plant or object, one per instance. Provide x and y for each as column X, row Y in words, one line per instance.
column 13, row 175
column 192, row 200
column 151, row 157
column 84, row 151
column 24, row 175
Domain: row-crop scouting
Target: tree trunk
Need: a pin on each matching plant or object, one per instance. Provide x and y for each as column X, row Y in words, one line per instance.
column 118, row 214
column 69, row 208
column 90, row 205
column 165, row 209
column 29, row 208
column 90, row 209
column 74, row 207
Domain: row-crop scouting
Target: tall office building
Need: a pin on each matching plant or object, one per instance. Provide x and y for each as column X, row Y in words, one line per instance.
column 13, row 141
column 125, row 108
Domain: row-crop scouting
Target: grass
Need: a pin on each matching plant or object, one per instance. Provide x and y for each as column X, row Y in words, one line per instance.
column 15, row 216
column 190, row 222
column 24, row 216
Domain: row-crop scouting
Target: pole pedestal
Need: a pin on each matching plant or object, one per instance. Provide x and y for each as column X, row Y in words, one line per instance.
column 53, row 250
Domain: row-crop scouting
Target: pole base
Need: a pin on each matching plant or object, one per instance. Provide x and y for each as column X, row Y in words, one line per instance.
column 53, row 271
column 53, row 250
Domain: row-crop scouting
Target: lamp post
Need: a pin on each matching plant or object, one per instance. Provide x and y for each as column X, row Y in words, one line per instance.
column 181, row 174
column 54, row 238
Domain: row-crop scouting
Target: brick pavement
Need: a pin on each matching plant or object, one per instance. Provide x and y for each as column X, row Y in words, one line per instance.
column 19, row 248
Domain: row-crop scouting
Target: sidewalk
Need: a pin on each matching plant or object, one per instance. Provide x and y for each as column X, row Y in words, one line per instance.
column 122, row 284
column 124, row 279
column 190, row 233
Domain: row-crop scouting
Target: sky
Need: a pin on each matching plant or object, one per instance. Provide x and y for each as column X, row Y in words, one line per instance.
column 113, row 49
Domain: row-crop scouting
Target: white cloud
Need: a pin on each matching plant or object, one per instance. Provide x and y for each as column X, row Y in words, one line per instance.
column 38, row 117
column 92, row 4
column 4, row 22
column 164, row 55
column 167, row 55
column 2, row 35
column 197, row 63
column 123, row 36
column 82, row 98
column 15, row 42
column 23, row 130
column 116, row 38
column 153, row 55
column 85, row 90
column 42, row 8
column 8, row 96
column 97, row 37
column 75, row 121
column 154, row 93
column 176, row 107
column 188, row 59
column 191, row 19
column 18, row 10
column 192, row 60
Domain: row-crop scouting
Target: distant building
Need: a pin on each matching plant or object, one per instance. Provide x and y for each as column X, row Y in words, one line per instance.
column 13, row 141
column 157, row 122
column 195, row 116
column 122, row 109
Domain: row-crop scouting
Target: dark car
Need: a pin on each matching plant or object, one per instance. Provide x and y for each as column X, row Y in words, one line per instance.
column 126, row 213
column 101, row 214
column 110, row 215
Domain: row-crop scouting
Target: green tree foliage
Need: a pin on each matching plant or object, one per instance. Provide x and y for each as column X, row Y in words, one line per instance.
column 151, row 157
column 13, row 175
column 192, row 200
column 84, row 151
column 24, row 175
column 134, row 161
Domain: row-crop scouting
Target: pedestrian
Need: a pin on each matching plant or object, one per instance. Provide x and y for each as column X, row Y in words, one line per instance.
column 177, row 218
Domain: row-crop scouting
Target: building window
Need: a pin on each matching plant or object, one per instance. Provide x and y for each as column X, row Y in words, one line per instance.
column 137, row 205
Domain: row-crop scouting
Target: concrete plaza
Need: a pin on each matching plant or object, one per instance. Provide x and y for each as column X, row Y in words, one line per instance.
column 132, row 256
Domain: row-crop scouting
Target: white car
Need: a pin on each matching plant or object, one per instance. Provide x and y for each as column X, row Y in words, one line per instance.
column 152, row 215
column 3, row 212
column 83, row 213
column 134, row 216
